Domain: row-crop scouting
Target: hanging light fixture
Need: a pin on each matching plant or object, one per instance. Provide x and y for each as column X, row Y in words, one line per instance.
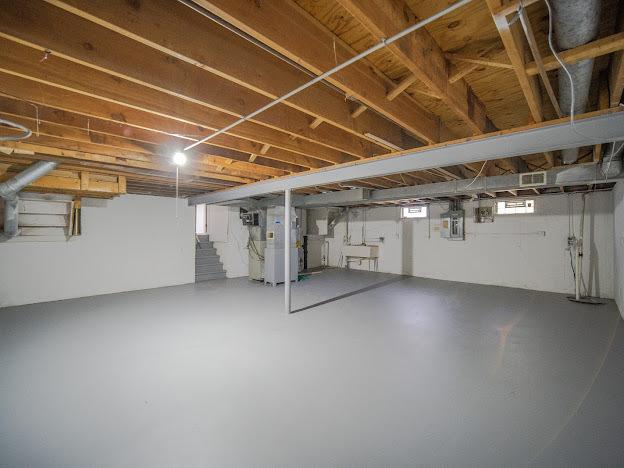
column 179, row 158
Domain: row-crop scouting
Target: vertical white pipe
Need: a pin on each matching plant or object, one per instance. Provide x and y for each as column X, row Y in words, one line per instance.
column 287, row 223
column 579, row 252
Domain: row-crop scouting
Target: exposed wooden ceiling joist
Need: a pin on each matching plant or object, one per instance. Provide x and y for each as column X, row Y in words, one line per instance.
column 301, row 38
column 515, row 45
column 169, row 88
column 616, row 73
column 178, row 31
column 72, row 101
column 421, row 55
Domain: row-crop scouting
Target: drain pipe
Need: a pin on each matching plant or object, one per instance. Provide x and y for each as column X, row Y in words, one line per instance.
column 575, row 24
column 9, row 192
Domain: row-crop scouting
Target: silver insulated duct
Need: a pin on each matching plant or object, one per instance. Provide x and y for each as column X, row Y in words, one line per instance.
column 9, row 192
column 575, row 24
column 612, row 159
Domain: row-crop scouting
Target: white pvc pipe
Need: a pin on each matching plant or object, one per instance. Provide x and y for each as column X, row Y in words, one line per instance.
column 380, row 45
column 287, row 223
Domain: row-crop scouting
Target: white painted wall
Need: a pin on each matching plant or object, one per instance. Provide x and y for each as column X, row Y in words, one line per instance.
column 233, row 248
column 618, row 237
column 524, row 251
column 132, row 242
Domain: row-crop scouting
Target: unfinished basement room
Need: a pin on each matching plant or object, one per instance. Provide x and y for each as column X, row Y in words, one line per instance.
column 311, row 233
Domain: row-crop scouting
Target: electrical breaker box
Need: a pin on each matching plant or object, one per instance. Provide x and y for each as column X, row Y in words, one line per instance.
column 484, row 214
column 452, row 225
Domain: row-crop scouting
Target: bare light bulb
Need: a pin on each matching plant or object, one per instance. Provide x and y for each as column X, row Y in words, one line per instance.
column 179, row 158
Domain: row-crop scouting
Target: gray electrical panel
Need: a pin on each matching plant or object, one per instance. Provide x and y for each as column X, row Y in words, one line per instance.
column 484, row 214
column 452, row 225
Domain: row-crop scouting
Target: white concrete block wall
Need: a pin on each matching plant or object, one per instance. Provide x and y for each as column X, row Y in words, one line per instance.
column 132, row 242
column 524, row 251
column 618, row 237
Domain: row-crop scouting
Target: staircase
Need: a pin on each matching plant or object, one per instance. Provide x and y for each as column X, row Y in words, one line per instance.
column 208, row 266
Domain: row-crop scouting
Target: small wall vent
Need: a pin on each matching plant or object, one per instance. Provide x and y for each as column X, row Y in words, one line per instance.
column 533, row 179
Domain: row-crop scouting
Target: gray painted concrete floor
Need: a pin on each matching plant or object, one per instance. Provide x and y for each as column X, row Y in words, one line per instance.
column 410, row 372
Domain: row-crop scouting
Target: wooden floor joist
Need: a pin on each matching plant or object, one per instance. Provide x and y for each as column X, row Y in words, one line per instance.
column 79, row 76
column 302, row 39
column 513, row 40
column 134, row 82
column 422, row 56
column 176, row 24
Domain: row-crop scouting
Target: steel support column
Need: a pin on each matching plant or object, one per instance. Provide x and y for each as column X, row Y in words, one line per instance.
column 287, row 223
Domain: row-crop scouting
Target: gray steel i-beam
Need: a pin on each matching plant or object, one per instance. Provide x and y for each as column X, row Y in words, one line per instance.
column 561, row 176
column 589, row 129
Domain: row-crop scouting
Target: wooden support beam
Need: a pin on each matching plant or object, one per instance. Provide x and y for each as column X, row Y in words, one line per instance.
column 120, row 171
column 466, row 68
column 528, row 32
column 359, row 111
column 421, row 55
column 89, row 129
column 265, row 149
column 514, row 43
column 316, row 122
column 604, row 46
column 178, row 31
column 616, row 72
column 121, row 183
column 504, row 10
column 77, row 183
column 84, row 181
column 478, row 61
column 401, row 86
column 515, row 46
column 46, row 95
column 152, row 70
column 141, row 151
column 301, row 38
column 119, row 165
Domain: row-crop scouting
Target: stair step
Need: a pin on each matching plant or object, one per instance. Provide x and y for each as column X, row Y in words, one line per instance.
column 208, row 265
column 207, row 260
column 206, row 252
column 209, row 269
column 208, row 277
column 205, row 244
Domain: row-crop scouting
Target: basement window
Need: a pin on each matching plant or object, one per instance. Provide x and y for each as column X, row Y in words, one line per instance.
column 516, row 207
column 414, row 212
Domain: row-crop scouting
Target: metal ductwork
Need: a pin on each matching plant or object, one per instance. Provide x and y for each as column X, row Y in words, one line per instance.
column 9, row 192
column 575, row 24
column 612, row 159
